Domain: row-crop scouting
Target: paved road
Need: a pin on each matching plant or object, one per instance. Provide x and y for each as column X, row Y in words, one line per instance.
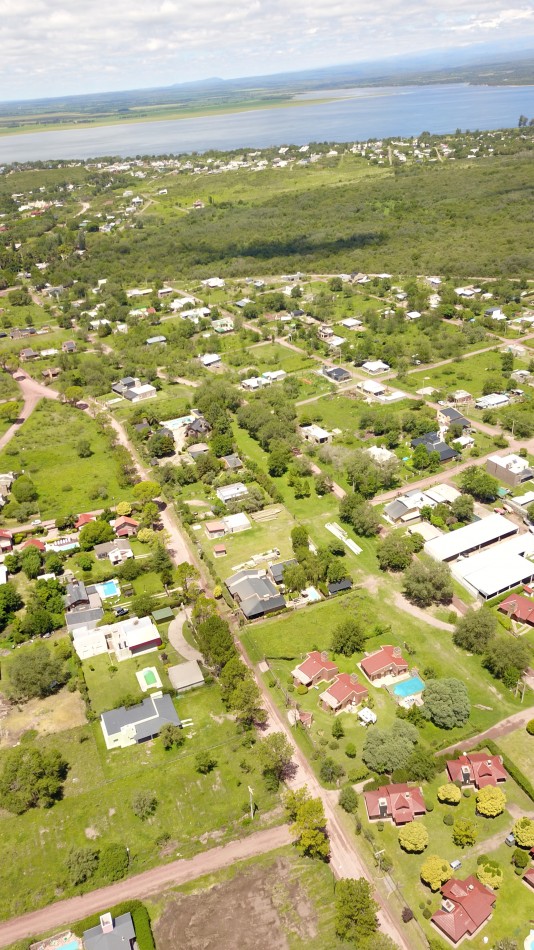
column 142, row 885
column 32, row 393
column 177, row 638
column 345, row 860
column 502, row 728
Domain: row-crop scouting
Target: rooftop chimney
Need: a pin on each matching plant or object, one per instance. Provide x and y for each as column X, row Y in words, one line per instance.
column 106, row 923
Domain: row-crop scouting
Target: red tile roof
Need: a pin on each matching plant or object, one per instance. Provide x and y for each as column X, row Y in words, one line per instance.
column 528, row 876
column 123, row 520
column 315, row 664
column 518, row 607
column 473, row 904
column 403, row 803
column 384, row 657
column 484, row 769
column 84, row 519
column 344, row 686
column 34, row 543
column 6, row 534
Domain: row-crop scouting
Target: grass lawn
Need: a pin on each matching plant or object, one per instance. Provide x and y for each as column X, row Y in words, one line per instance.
column 109, row 682
column 149, row 583
column 262, row 537
column 519, row 746
column 46, row 448
column 406, row 869
column 275, row 356
column 196, row 811
column 469, row 373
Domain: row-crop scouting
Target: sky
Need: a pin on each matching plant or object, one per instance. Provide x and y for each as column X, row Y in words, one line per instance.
column 62, row 47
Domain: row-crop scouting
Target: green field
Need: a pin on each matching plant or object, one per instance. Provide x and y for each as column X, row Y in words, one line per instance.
column 46, row 448
column 98, row 791
column 109, row 682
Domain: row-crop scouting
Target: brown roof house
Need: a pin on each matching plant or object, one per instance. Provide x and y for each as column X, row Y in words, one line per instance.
column 387, row 661
column 345, row 691
column 466, row 907
column 478, row 769
column 398, row 802
column 314, row 669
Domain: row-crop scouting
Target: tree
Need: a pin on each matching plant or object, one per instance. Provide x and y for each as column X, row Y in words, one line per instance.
column 520, row 859
column 464, row 832
column 279, row 458
column 246, row 700
column 476, row 482
column 507, row 659
column 171, row 736
column 95, row 532
column 35, row 673
column 530, row 512
column 123, row 509
column 348, row 799
column 292, row 802
column 81, row 864
column 475, row 629
column 9, row 411
column 385, row 751
column 146, row 491
column 31, row 778
column 348, row 637
column 446, row 703
column 142, row 605
column 84, row 449
column 205, row 762
column 421, row 457
column 10, row 602
column 149, row 514
column 144, row 804
column 53, row 563
column 73, row 394
column 435, row 871
column 449, row 793
column 490, row 801
column 112, row 862
column 31, row 560
column 185, row 573
column 299, row 538
column 490, row 874
column 413, row 837
column 337, row 728
column 422, row 764
column 331, row 771
column 428, row 583
column 24, row 490
column 395, row 552
column 523, row 832
column 294, row 577
column 274, row 753
column 354, row 510
column 308, row 829
column 462, row 508
column 356, row 912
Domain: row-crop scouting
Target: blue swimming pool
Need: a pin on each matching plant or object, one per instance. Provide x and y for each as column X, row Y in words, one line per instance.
column 73, row 945
column 108, row 589
column 409, row 687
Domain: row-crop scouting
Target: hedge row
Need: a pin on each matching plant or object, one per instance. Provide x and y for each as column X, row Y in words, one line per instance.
column 512, row 769
column 140, row 917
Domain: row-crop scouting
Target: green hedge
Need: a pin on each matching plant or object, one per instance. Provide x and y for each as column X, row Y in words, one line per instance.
column 512, row 769
column 140, row 917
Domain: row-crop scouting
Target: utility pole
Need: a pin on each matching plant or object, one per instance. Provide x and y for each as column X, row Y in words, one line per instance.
column 251, row 793
column 378, row 856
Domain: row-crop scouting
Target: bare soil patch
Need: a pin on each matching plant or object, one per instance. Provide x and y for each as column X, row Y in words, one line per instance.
column 255, row 910
column 65, row 710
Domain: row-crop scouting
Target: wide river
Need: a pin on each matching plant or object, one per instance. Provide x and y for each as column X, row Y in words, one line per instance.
column 357, row 114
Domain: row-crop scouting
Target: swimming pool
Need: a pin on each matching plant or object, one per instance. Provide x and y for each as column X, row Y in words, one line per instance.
column 108, row 589
column 529, row 941
column 149, row 677
column 409, row 687
column 73, row 945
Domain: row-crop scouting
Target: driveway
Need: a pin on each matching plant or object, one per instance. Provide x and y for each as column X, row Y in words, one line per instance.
column 32, row 393
column 500, row 729
column 177, row 638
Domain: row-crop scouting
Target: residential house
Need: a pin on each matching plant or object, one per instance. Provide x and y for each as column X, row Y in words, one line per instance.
column 210, row 359
column 371, row 388
column 133, row 636
column 510, row 469
column 461, row 397
column 400, row 803
column 448, row 417
column 315, row 434
column 153, row 340
column 228, row 493
column 492, row 401
column 466, row 907
column 51, row 374
column 6, row 540
column 213, row 282
column 277, row 570
column 325, row 333
column 69, row 346
column 124, row 727
column 518, row 608
column 478, row 769
column 234, row 524
column 83, row 519
column 214, row 529
column 198, row 426
column 374, row 367
column 314, row 669
column 133, row 390
column 125, row 527
column 387, row 661
column 407, row 507
column 198, row 449
column 345, row 691
column 232, row 463
column 28, row 354
column 116, row 551
column 434, row 443
column 35, row 543
column 255, row 593
column 83, row 606
column 186, row 676
column 111, row 934
column 336, row 373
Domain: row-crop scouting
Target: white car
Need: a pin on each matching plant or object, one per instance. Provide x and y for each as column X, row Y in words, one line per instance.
column 36, row 522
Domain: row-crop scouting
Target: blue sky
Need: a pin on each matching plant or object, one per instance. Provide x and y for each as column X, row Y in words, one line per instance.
column 61, row 47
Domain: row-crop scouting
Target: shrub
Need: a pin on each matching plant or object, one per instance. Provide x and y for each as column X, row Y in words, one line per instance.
column 113, row 862
column 407, row 914
column 520, row 858
column 351, row 751
column 413, row 837
column 448, row 819
column 449, row 793
column 466, row 793
column 301, row 689
column 348, row 799
column 427, row 913
column 144, row 804
column 530, row 727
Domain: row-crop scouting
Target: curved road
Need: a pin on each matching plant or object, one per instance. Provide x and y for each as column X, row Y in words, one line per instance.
column 141, row 885
column 32, row 393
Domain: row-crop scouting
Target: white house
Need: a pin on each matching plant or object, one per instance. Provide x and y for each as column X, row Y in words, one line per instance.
column 210, row 359
column 315, row 434
column 371, row 388
column 374, row 367
column 228, row 493
column 213, row 283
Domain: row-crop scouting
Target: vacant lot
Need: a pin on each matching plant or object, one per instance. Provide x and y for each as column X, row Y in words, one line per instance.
column 276, row 903
column 53, row 714
column 520, row 747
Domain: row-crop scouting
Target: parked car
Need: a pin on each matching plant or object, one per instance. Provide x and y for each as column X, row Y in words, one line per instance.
column 120, row 611
column 36, row 522
column 456, row 864
column 509, row 840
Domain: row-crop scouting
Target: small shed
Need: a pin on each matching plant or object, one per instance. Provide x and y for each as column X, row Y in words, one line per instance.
column 162, row 615
column 185, row 676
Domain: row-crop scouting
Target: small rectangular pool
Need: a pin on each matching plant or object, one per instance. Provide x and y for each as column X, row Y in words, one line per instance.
column 108, row 589
column 409, row 687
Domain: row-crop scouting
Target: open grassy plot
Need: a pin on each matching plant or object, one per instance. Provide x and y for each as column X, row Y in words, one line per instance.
column 46, row 448
column 53, row 714
column 275, row 356
column 97, row 810
column 279, row 900
column 110, row 682
column 274, row 532
column 469, row 373
column 519, row 746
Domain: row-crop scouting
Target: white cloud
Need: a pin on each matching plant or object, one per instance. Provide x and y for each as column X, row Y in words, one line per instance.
column 57, row 47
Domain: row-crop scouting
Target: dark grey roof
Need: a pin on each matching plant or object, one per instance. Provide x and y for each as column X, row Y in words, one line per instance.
column 199, row 425
column 277, row 570
column 83, row 616
column 337, row 373
column 338, row 586
column 454, row 416
column 396, row 509
column 148, row 717
column 120, row 938
column 255, row 592
column 232, row 461
column 76, row 594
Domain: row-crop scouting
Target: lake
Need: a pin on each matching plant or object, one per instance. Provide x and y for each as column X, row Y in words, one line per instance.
column 357, row 115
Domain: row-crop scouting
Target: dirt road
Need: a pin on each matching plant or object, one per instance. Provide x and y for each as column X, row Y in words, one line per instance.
column 501, row 728
column 32, row 393
column 142, row 885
